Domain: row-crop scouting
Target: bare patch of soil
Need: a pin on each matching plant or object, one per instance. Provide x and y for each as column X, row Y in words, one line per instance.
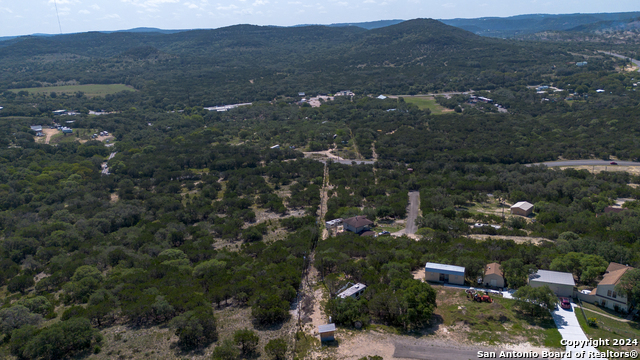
column 516, row 239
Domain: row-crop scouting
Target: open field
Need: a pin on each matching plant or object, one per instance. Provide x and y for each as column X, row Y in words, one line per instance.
column 426, row 102
column 90, row 90
column 458, row 326
column 499, row 322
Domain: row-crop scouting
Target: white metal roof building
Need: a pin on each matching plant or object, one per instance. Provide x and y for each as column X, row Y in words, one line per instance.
column 333, row 223
column 444, row 273
column 522, row 208
column 560, row 283
column 355, row 291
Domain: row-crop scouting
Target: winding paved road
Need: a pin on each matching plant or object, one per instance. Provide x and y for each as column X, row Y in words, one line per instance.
column 636, row 62
column 585, row 162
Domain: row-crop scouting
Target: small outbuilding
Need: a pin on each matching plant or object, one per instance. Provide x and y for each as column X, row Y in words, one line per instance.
column 448, row 274
column 381, row 97
column 333, row 223
column 275, row 147
column 36, row 128
column 614, row 209
column 493, row 276
column 327, row 332
column 522, row 208
column 561, row 283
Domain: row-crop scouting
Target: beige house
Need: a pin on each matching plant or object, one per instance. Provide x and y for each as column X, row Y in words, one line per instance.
column 606, row 294
column 493, row 276
column 442, row 273
column 522, row 208
column 560, row 283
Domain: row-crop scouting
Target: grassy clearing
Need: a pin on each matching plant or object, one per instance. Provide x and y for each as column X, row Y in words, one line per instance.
column 494, row 323
column 602, row 310
column 90, row 90
column 62, row 138
column 609, row 329
column 426, row 102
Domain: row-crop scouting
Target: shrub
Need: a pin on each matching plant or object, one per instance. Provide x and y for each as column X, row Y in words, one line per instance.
column 276, row 349
column 593, row 322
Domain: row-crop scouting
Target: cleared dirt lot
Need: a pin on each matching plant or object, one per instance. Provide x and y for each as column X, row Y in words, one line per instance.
column 516, row 239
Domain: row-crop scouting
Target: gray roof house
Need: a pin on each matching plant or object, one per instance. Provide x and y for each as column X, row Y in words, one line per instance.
column 36, row 128
column 357, row 224
column 560, row 283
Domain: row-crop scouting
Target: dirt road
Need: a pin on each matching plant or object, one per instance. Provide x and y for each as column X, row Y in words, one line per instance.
column 414, row 207
column 430, row 352
column 49, row 133
column 412, row 214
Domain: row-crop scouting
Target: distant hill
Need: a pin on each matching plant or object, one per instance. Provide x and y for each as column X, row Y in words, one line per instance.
column 508, row 27
column 369, row 25
column 249, row 63
column 502, row 27
column 134, row 30
column 146, row 30
column 609, row 25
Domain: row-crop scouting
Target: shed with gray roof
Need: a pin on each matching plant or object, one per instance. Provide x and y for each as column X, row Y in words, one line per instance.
column 327, row 332
column 444, row 273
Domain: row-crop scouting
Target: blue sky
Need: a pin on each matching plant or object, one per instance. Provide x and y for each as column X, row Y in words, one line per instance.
column 39, row 16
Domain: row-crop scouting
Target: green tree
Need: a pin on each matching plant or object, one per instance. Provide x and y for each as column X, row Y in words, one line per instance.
column 535, row 300
column 196, row 328
column 630, row 285
column 516, row 272
column 225, row 351
column 420, row 300
column 246, row 339
column 20, row 283
column 16, row 317
column 58, row 341
column 592, row 266
column 276, row 349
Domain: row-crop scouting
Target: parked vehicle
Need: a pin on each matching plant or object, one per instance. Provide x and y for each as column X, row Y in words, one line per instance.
column 613, row 163
column 565, row 303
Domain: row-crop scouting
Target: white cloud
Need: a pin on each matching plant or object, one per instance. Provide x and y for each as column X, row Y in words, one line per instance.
column 369, row 2
column 63, row 2
column 260, row 2
column 225, row 8
column 95, row 7
column 83, row 11
column 6, row 10
column 110, row 17
column 191, row 5
column 449, row 5
column 150, row 3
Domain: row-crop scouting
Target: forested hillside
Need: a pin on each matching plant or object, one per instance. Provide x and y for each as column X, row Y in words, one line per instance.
column 142, row 225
